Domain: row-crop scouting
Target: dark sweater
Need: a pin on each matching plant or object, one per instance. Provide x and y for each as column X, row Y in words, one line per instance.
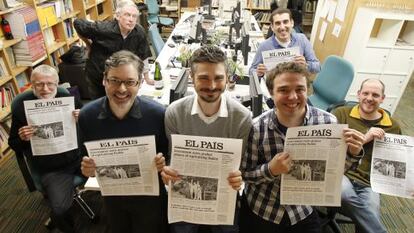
column 44, row 163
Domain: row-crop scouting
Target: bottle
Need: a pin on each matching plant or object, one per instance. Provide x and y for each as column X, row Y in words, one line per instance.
column 6, row 28
column 158, row 77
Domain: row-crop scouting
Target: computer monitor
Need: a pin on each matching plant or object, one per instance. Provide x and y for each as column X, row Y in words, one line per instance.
column 256, row 95
column 196, row 30
column 179, row 87
column 245, row 48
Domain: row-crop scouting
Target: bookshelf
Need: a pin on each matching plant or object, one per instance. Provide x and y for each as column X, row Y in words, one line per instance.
column 54, row 21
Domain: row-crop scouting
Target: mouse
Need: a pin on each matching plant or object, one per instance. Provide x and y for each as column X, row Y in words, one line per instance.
column 171, row 45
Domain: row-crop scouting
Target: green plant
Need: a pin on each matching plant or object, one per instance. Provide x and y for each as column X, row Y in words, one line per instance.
column 236, row 70
column 185, row 55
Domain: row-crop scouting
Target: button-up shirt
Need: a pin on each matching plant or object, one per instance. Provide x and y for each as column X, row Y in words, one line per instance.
column 262, row 189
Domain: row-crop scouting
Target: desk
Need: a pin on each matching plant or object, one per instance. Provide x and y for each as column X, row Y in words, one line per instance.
column 182, row 28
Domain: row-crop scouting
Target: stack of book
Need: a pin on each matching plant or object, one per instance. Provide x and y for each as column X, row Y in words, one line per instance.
column 24, row 24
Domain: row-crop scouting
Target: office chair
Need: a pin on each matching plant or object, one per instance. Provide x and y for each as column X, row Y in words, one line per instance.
column 332, row 83
column 32, row 177
column 155, row 18
column 156, row 39
column 330, row 217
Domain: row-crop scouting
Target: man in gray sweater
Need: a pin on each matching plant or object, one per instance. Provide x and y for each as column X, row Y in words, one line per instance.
column 208, row 113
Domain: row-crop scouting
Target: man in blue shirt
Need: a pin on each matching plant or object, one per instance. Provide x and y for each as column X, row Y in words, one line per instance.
column 282, row 26
column 265, row 159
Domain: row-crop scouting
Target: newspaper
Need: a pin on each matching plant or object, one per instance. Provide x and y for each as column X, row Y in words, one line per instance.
column 318, row 155
column 125, row 166
column 392, row 167
column 53, row 123
column 203, row 194
column 273, row 57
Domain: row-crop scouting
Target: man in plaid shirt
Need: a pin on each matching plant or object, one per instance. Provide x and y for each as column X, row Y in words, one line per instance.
column 265, row 160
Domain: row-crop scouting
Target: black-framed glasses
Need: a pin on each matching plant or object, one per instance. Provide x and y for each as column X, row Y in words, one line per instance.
column 117, row 82
column 40, row 85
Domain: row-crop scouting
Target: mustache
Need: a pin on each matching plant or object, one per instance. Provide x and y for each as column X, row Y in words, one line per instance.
column 214, row 90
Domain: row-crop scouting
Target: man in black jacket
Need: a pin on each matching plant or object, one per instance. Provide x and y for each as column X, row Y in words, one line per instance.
column 56, row 171
column 108, row 37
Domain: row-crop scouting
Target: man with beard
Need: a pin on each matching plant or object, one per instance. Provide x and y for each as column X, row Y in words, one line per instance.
column 284, row 37
column 107, row 37
column 207, row 113
column 56, row 171
column 359, row 202
column 121, row 113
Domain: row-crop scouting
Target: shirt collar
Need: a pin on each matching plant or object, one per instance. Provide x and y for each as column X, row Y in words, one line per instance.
column 222, row 112
column 273, row 123
column 385, row 121
column 134, row 112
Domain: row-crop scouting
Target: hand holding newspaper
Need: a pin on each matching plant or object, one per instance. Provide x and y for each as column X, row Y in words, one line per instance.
column 318, row 155
column 53, row 123
column 203, row 194
column 125, row 166
column 273, row 57
column 392, row 167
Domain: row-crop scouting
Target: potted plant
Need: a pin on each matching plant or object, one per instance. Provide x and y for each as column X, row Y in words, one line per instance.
column 185, row 55
column 236, row 72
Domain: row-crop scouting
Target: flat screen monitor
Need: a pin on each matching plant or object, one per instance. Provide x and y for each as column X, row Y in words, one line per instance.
column 179, row 87
column 256, row 95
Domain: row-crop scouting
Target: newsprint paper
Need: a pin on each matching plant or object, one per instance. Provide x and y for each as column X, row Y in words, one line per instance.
column 392, row 167
column 203, row 194
column 318, row 155
column 273, row 57
column 53, row 123
column 125, row 166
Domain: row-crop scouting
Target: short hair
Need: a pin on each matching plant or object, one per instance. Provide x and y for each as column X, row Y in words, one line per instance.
column 286, row 67
column 280, row 11
column 209, row 54
column 124, row 57
column 45, row 70
column 122, row 4
column 373, row 79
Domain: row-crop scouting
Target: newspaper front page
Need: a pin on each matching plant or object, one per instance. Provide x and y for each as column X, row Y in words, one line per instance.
column 392, row 166
column 203, row 195
column 273, row 57
column 53, row 123
column 318, row 155
column 125, row 166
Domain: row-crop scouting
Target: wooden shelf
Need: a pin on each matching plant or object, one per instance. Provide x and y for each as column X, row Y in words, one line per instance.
column 57, row 45
column 12, row 9
column 103, row 17
column 4, row 112
column 72, row 40
column 8, row 43
column 70, row 15
column 18, row 69
column 5, row 79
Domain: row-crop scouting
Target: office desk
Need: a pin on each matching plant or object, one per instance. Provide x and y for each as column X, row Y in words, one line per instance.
column 168, row 53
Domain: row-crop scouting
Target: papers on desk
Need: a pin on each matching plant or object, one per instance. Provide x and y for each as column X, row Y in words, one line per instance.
column 273, row 57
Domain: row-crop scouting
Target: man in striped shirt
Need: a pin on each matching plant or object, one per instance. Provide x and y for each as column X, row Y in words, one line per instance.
column 265, row 159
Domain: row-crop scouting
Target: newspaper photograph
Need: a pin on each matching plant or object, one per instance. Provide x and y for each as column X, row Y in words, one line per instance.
column 392, row 167
column 273, row 57
column 318, row 155
column 203, row 194
column 53, row 123
column 125, row 166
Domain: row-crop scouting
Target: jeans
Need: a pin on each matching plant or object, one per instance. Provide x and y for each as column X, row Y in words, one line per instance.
column 185, row 227
column 362, row 205
column 60, row 189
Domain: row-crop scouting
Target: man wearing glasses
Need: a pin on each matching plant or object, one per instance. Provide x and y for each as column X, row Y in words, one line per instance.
column 107, row 37
column 56, row 170
column 121, row 113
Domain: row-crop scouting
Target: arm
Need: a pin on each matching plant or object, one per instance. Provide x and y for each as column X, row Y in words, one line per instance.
column 310, row 57
column 256, row 173
column 168, row 174
column 86, row 30
column 257, row 64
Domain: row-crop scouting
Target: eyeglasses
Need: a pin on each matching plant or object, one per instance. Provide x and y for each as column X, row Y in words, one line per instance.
column 127, row 15
column 40, row 85
column 117, row 82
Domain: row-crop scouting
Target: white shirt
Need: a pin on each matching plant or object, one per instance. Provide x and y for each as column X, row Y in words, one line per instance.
column 222, row 112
